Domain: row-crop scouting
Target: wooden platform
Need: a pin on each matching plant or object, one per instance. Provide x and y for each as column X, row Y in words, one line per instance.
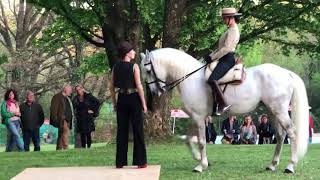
column 90, row 173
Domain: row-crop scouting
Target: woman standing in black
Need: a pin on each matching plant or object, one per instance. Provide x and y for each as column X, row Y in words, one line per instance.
column 129, row 106
column 86, row 110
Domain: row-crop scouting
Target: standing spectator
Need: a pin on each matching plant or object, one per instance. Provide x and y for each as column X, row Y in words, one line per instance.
column 86, row 110
column 265, row 130
column 211, row 133
column 129, row 106
column 10, row 112
column 248, row 131
column 61, row 116
column 32, row 118
column 230, row 130
column 310, row 128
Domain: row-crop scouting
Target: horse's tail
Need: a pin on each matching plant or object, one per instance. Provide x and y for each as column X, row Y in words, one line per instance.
column 300, row 115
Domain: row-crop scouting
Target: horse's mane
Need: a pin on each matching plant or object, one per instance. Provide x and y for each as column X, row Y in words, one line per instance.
column 179, row 62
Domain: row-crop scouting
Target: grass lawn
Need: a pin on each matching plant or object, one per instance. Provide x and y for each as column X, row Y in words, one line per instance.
column 228, row 161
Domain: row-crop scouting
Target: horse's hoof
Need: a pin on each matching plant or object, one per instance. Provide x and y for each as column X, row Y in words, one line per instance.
column 209, row 164
column 288, row 171
column 270, row 168
column 198, row 169
column 195, row 171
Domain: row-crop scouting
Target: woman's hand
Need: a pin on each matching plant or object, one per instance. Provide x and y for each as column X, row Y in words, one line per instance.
column 144, row 108
column 17, row 113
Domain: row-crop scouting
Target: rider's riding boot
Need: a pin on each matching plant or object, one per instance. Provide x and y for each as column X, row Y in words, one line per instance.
column 221, row 103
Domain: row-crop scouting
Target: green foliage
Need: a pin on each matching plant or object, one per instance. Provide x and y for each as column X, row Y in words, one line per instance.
column 202, row 27
column 272, row 53
column 252, row 54
column 45, row 102
column 3, row 134
column 175, row 101
column 3, row 59
column 152, row 14
column 56, row 35
column 96, row 64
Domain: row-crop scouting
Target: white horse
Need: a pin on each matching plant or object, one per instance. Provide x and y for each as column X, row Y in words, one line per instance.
column 274, row 86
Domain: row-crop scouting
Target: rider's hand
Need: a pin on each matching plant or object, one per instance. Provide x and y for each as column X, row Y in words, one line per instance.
column 207, row 59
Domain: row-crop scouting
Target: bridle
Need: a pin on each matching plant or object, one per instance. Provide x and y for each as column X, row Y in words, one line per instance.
column 168, row 86
column 157, row 80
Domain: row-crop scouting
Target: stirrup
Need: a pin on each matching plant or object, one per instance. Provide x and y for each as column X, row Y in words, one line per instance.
column 219, row 112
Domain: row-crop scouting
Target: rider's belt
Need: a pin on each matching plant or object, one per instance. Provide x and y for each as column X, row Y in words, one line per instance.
column 128, row 91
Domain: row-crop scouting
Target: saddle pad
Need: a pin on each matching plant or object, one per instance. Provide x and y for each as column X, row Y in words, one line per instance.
column 234, row 74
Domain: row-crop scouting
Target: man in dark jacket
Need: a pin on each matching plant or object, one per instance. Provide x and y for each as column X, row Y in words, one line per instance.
column 61, row 116
column 32, row 118
column 230, row 130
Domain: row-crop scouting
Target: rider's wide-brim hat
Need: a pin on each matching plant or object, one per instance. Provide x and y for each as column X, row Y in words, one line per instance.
column 229, row 12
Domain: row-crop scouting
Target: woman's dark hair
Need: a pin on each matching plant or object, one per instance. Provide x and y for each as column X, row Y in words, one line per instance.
column 264, row 116
column 6, row 95
column 123, row 48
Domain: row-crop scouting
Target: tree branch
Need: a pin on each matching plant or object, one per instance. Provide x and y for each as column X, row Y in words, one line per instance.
column 81, row 30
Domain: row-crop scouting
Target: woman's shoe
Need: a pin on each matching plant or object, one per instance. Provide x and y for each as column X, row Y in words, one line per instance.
column 142, row 166
column 119, row 166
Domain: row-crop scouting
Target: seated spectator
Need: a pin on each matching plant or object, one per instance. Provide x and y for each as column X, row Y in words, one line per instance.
column 248, row 131
column 310, row 127
column 211, row 133
column 230, row 130
column 265, row 130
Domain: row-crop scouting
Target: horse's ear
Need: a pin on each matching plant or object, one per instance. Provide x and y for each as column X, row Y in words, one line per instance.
column 142, row 56
column 147, row 53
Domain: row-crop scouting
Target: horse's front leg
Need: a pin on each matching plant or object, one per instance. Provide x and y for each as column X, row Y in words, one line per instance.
column 191, row 139
column 202, row 147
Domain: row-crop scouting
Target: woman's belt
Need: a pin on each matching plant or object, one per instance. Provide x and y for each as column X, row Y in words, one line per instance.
column 128, row 91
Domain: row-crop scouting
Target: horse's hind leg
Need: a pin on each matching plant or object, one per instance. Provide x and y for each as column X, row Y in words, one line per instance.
column 276, row 156
column 191, row 138
column 287, row 126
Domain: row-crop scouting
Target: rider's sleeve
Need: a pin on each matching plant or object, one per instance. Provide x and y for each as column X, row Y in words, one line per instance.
column 229, row 45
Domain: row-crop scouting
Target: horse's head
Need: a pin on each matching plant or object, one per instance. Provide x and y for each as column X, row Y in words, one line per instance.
column 149, row 73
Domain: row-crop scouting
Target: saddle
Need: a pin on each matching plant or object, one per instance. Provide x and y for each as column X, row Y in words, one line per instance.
column 235, row 75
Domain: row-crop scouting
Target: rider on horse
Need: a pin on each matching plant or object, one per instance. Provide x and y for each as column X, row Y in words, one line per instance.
column 225, row 55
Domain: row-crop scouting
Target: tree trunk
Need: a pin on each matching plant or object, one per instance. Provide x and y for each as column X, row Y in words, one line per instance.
column 174, row 11
column 158, row 123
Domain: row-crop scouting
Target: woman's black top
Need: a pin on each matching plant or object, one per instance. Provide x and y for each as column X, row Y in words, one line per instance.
column 123, row 75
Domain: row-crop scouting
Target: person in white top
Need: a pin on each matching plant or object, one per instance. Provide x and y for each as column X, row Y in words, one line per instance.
column 225, row 55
